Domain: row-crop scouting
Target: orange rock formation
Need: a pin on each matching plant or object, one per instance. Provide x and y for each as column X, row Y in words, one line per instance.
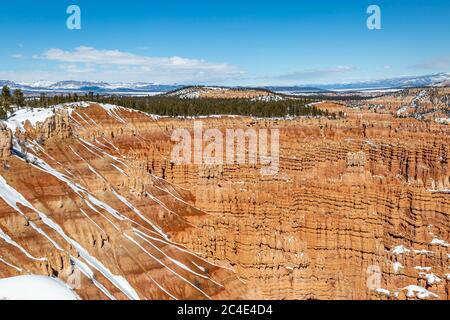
column 358, row 210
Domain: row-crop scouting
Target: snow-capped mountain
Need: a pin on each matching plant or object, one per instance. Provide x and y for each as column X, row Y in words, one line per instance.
column 86, row 86
column 39, row 84
column 438, row 79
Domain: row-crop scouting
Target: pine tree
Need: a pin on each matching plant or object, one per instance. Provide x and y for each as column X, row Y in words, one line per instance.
column 18, row 98
column 6, row 92
column 43, row 100
column 5, row 102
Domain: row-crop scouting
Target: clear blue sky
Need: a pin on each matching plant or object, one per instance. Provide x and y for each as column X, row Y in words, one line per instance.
column 223, row 42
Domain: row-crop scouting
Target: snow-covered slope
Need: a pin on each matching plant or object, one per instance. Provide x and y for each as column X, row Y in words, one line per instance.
column 108, row 245
column 254, row 94
column 420, row 103
column 35, row 288
column 18, row 118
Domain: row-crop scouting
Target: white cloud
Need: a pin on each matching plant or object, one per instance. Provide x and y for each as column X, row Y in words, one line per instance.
column 441, row 64
column 316, row 74
column 111, row 65
column 17, row 56
column 74, row 68
column 29, row 76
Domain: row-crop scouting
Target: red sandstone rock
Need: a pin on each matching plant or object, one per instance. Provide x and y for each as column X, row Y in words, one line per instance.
column 349, row 193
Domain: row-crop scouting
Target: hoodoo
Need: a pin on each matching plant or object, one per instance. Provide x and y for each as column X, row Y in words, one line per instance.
column 359, row 208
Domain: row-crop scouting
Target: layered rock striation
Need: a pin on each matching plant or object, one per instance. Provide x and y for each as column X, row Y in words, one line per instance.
column 359, row 208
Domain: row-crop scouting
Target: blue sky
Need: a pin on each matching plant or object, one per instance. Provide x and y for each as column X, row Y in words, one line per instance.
column 223, row 42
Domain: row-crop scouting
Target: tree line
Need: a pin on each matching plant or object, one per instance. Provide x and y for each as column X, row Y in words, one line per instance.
column 174, row 107
column 7, row 99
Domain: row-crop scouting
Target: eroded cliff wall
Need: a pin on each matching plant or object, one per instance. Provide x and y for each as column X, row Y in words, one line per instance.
column 358, row 209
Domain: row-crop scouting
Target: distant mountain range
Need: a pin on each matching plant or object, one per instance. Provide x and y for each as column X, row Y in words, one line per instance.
column 438, row 79
column 89, row 86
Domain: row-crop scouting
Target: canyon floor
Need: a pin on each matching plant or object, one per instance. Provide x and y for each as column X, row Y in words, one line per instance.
column 360, row 207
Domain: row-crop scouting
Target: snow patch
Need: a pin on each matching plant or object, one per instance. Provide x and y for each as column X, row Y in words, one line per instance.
column 400, row 250
column 35, row 288
column 440, row 242
column 397, row 267
column 35, row 115
column 430, row 277
column 424, row 252
column 419, row 292
column 443, row 120
column 8, row 239
column 426, row 269
column 382, row 291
